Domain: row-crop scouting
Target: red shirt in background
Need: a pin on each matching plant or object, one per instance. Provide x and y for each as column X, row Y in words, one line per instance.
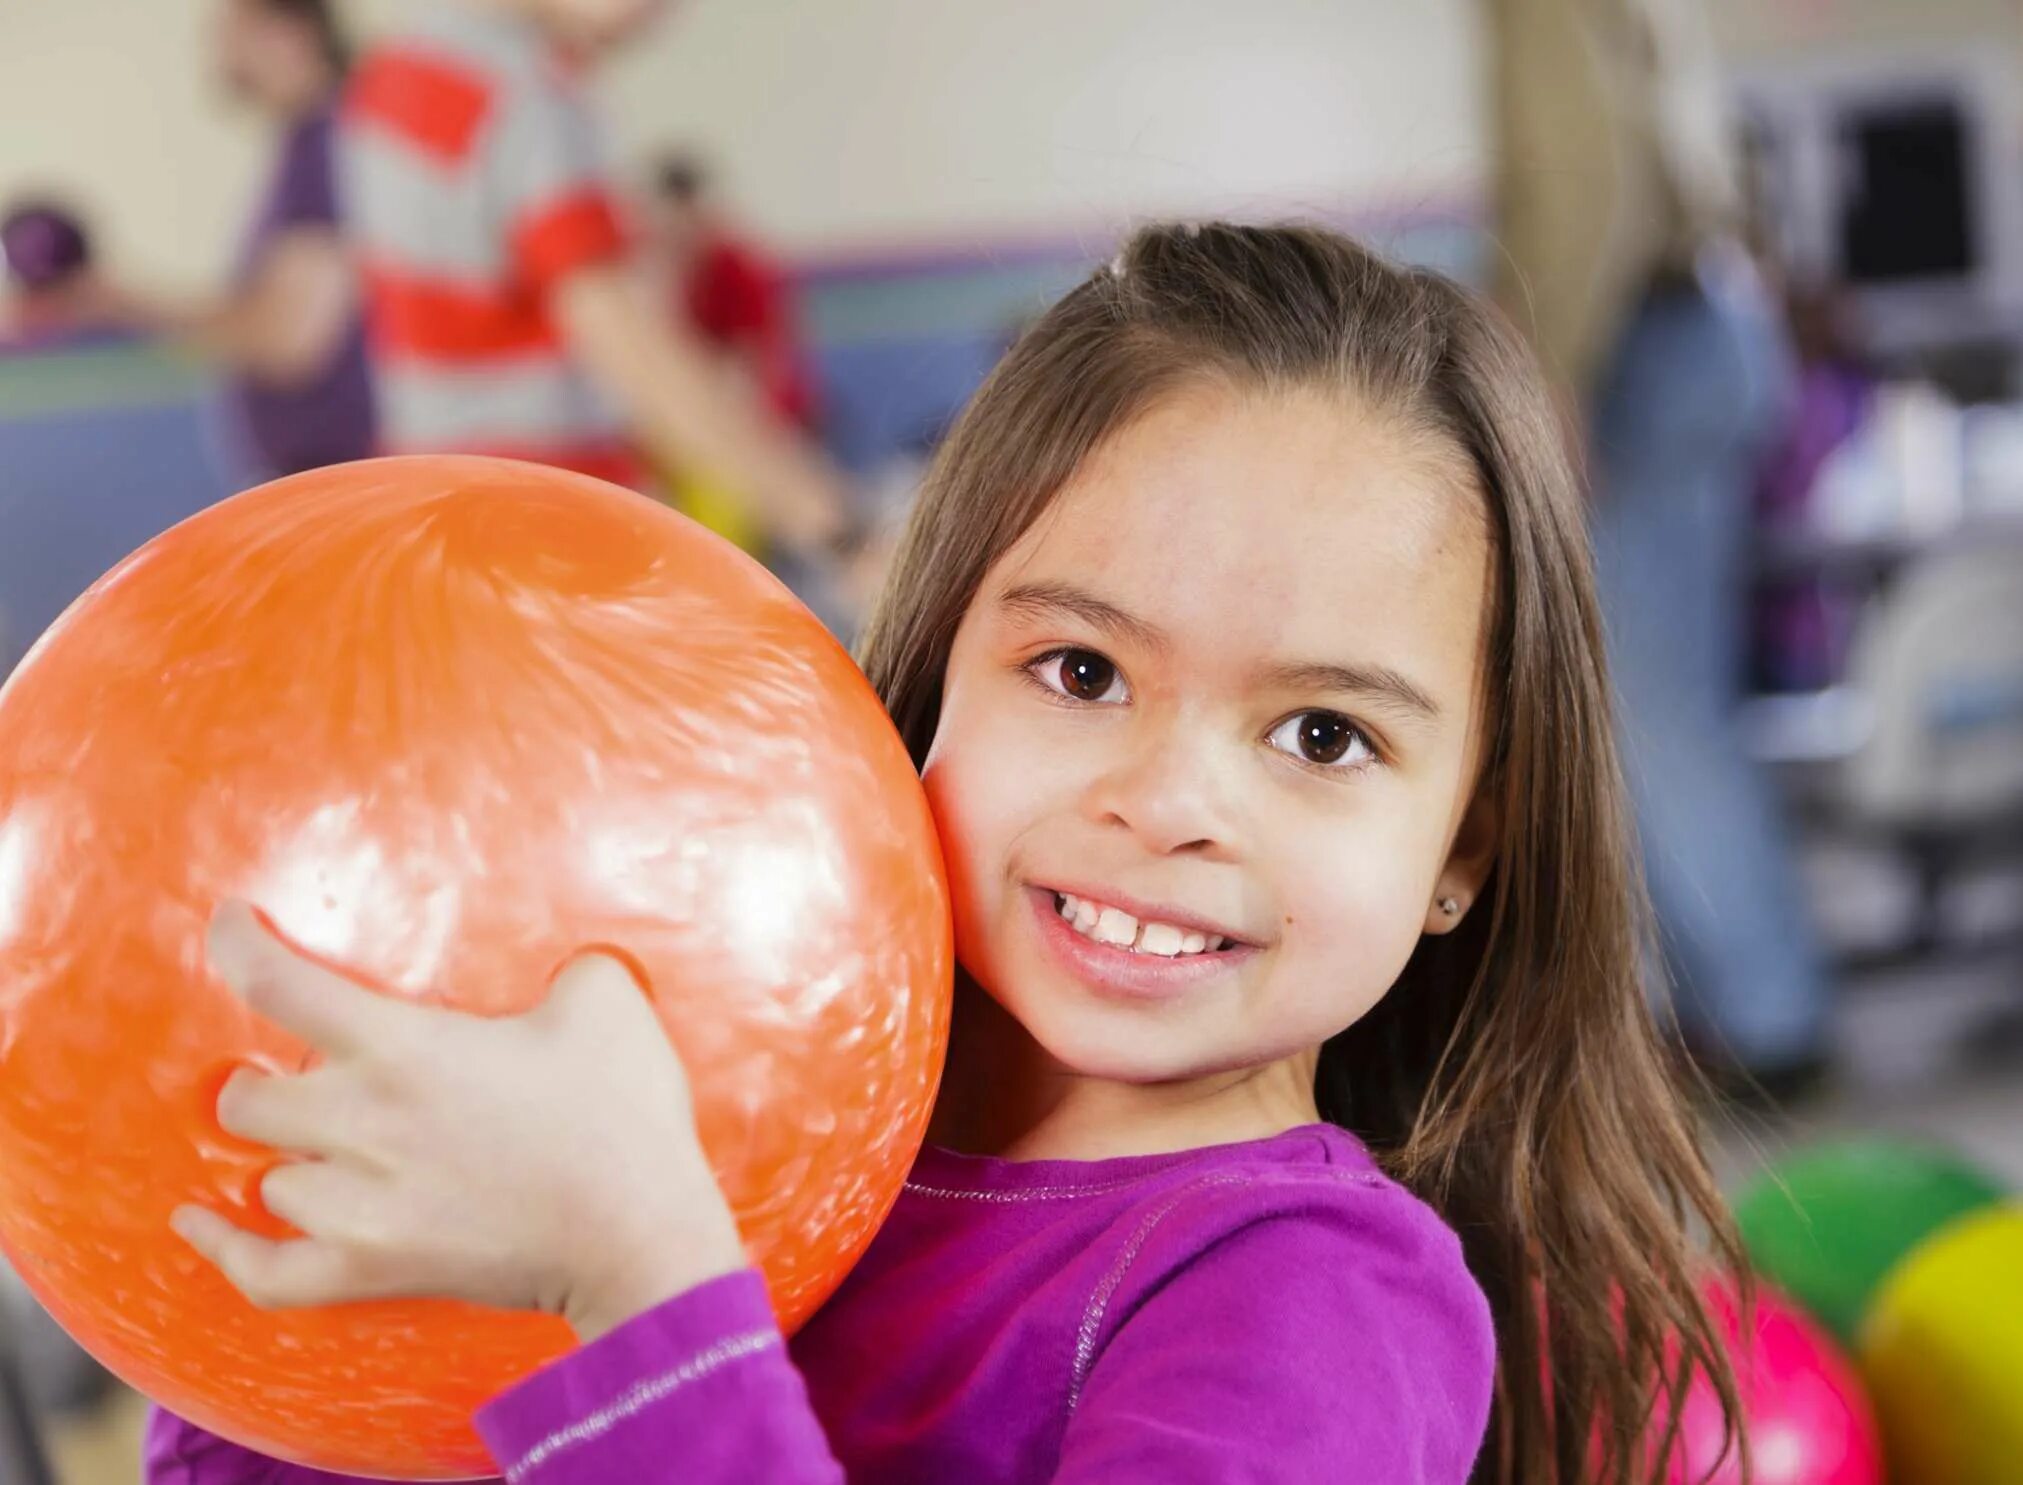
column 742, row 302
column 475, row 183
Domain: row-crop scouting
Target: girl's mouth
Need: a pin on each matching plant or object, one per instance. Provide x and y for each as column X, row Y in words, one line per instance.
column 1120, row 930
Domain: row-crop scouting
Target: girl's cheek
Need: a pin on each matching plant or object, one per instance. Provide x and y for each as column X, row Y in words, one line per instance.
column 1352, row 893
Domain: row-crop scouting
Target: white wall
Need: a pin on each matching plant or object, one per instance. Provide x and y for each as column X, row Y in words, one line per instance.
column 847, row 123
column 110, row 100
column 887, row 119
column 841, row 123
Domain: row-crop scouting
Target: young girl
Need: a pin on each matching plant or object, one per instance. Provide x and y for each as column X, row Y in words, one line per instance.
column 1303, row 1117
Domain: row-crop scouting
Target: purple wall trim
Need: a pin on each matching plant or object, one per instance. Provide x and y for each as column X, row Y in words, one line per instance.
column 1016, row 247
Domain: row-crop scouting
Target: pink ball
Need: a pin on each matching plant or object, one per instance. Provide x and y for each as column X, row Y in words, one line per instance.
column 1809, row 1420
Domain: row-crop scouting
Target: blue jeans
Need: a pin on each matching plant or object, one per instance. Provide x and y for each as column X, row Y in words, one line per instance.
column 1691, row 395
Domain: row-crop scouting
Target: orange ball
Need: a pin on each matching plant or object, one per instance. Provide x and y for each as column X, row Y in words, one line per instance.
column 445, row 720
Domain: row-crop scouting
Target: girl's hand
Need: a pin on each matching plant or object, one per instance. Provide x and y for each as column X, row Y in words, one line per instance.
column 547, row 1161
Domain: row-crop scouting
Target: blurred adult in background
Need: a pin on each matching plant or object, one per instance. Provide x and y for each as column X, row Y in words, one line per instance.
column 505, row 312
column 288, row 324
column 1619, row 204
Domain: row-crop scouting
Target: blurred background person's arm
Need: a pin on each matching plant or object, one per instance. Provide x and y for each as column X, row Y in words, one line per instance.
column 687, row 409
column 282, row 324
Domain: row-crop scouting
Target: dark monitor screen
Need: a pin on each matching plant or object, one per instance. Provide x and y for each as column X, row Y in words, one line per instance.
column 1909, row 209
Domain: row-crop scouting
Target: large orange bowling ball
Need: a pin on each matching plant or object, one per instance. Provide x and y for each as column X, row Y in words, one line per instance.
column 445, row 720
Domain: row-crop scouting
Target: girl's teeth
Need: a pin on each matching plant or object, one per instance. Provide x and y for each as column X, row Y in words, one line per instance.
column 1114, row 927
column 1108, row 925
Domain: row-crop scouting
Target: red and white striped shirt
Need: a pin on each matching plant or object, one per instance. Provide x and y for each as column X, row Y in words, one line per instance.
column 474, row 184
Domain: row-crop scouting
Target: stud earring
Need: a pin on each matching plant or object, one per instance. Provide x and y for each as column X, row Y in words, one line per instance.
column 1450, row 906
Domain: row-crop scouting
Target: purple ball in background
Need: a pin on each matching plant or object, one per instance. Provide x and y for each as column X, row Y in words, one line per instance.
column 44, row 245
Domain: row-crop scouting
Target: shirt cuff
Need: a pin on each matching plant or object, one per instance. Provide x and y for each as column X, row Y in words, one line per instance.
column 581, row 1404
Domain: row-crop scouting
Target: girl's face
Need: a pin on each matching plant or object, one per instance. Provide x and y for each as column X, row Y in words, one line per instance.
column 1209, row 736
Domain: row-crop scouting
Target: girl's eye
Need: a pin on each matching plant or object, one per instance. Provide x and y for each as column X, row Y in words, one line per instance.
column 1079, row 675
column 1324, row 739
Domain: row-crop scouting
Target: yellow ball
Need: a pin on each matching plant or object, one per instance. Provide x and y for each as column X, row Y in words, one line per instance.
column 1943, row 1353
column 716, row 506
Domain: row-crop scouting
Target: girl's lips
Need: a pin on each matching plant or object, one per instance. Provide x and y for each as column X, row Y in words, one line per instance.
column 1126, row 973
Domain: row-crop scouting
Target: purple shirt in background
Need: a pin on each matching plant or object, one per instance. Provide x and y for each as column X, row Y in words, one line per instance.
column 1277, row 1311
column 1804, row 624
column 327, row 419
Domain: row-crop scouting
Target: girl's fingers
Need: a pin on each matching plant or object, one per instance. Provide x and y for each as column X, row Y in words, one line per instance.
column 313, row 1113
column 595, row 983
column 335, row 1204
column 271, row 1275
column 331, row 1012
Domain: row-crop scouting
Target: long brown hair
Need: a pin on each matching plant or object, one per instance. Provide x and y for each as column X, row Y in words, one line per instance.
column 1514, row 1077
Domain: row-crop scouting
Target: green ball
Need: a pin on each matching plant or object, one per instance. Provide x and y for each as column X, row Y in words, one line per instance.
column 1827, row 1224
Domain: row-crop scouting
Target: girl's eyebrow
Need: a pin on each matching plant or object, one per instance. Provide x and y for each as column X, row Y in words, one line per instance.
column 1361, row 680
column 1045, row 600
column 1049, row 600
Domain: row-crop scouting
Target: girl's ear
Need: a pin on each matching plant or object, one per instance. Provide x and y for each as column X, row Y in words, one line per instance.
column 1469, row 861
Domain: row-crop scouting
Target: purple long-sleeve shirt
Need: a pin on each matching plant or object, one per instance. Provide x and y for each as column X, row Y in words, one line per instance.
column 1277, row 1310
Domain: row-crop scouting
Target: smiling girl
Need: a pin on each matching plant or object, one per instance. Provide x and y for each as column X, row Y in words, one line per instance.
column 1304, row 1118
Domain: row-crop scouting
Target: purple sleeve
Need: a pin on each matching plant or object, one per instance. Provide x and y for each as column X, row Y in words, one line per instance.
column 699, row 1390
column 305, row 186
column 179, row 1453
column 1337, row 1335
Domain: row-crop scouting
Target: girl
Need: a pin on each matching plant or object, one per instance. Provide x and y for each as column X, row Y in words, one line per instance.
column 1303, row 1115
